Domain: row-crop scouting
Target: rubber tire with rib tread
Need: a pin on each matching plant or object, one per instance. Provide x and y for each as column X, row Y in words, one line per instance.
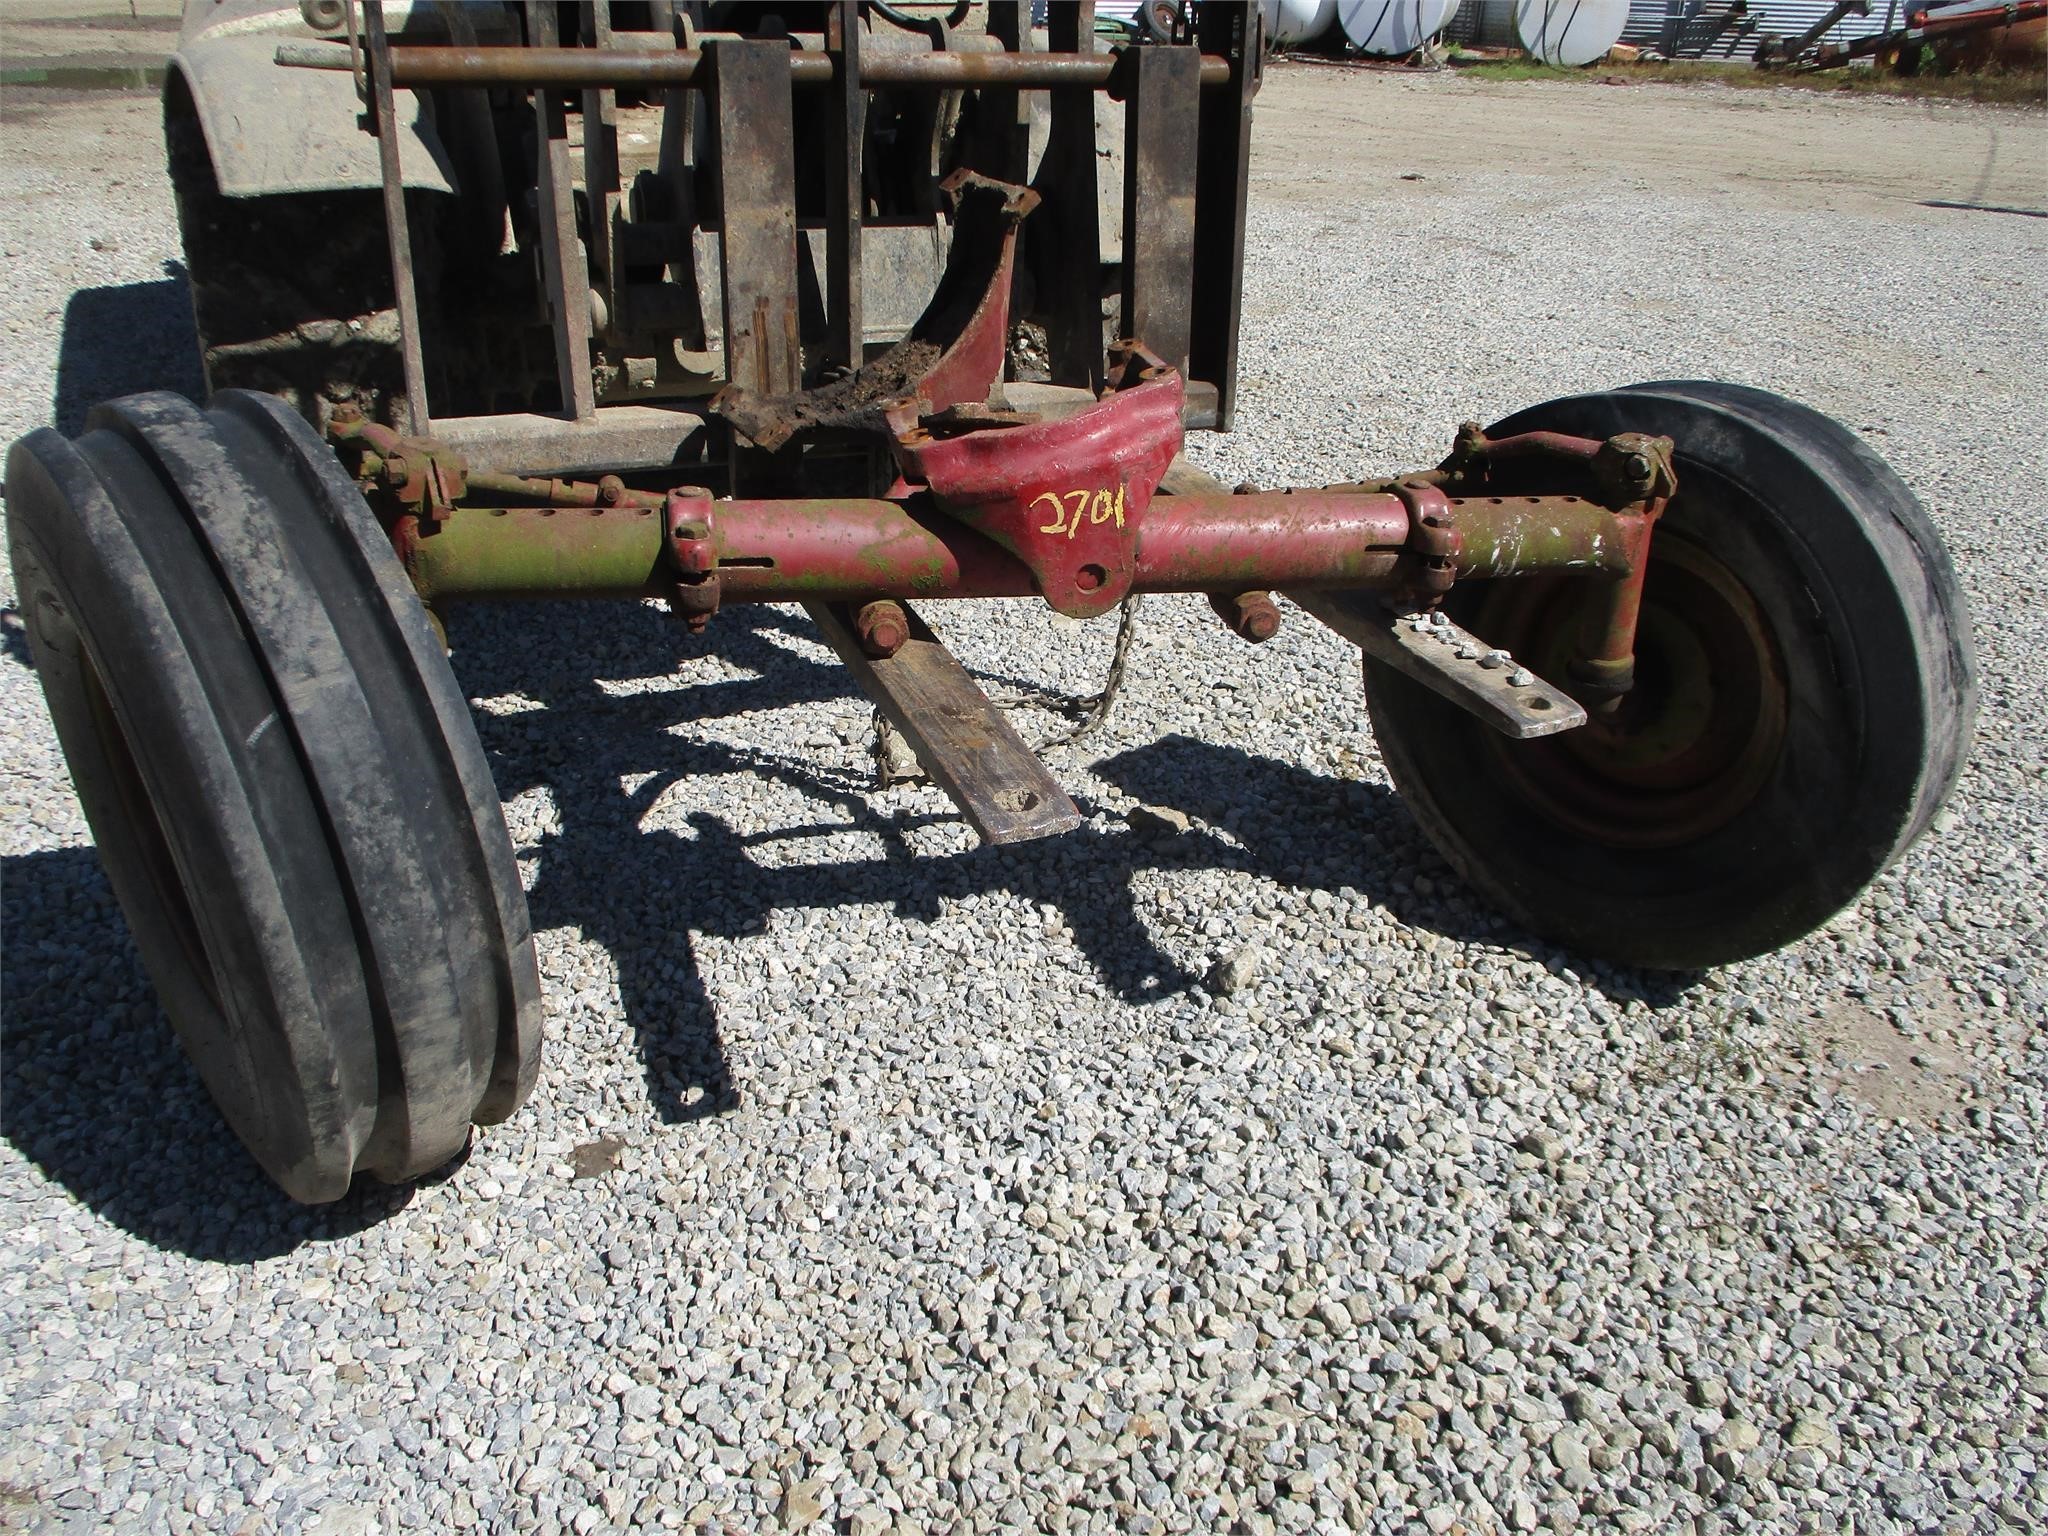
column 1864, row 610
column 283, row 780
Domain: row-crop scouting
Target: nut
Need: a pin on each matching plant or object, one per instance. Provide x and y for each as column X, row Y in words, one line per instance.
column 883, row 629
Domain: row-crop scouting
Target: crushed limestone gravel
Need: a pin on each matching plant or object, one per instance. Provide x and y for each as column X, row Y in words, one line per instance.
column 1251, row 1176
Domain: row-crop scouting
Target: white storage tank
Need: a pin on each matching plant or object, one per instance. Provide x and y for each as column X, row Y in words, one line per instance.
column 1391, row 29
column 1289, row 22
column 1569, row 32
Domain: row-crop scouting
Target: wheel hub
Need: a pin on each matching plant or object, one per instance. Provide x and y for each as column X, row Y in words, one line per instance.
column 1693, row 741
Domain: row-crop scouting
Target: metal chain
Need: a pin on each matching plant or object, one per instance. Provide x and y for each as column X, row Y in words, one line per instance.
column 1088, row 711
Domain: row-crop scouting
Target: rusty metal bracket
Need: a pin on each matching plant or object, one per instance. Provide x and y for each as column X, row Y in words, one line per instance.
column 1251, row 616
column 1434, row 542
column 1481, row 679
column 1628, row 468
column 1633, row 476
column 952, row 357
column 691, row 550
column 1066, row 497
column 424, row 476
column 1632, row 467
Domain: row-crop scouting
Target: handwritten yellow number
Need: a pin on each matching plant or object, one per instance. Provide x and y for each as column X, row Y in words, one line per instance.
column 1070, row 507
column 1107, row 507
column 1078, row 501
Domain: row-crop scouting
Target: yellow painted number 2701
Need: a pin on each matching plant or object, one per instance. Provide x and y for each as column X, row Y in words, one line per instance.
column 1070, row 508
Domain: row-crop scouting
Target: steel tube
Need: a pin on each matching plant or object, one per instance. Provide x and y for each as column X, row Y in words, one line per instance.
column 1521, row 535
column 1273, row 539
column 1532, row 444
column 597, row 69
column 533, row 552
column 836, row 550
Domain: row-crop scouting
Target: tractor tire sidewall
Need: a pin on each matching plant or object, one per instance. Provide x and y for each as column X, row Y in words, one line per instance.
column 1877, row 680
column 272, row 1011
column 482, row 906
column 285, row 782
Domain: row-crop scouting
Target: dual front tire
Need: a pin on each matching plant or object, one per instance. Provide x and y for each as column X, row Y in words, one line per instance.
column 284, row 783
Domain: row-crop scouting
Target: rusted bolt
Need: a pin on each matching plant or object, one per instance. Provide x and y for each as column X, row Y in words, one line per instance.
column 883, row 628
column 1250, row 615
column 609, row 489
column 396, row 472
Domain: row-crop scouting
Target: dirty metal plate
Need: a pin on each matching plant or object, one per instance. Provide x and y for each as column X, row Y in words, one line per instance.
column 966, row 744
column 757, row 213
column 1453, row 661
column 1160, row 126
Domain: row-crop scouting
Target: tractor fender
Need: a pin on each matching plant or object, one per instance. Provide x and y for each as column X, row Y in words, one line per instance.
column 272, row 129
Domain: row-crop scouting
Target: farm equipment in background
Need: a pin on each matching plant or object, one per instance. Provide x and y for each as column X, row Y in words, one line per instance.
column 839, row 307
column 1966, row 35
column 1787, row 50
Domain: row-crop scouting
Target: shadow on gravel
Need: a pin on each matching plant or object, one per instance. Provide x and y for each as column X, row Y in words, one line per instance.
column 640, row 894
column 96, row 1093
column 1311, row 830
column 119, row 340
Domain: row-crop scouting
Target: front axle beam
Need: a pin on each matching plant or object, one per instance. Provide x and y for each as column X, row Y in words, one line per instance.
column 862, row 548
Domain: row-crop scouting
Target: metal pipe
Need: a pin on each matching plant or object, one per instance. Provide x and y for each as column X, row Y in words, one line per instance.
column 596, row 69
column 1522, row 535
column 1273, row 539
column 1525, row 445
column 840, row 549
column 384, row 115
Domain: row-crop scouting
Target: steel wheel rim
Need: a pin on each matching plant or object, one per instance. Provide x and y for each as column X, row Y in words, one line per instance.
column 1694, row 742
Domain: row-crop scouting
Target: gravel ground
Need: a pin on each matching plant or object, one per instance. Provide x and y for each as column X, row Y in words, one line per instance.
column 878, row 1179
